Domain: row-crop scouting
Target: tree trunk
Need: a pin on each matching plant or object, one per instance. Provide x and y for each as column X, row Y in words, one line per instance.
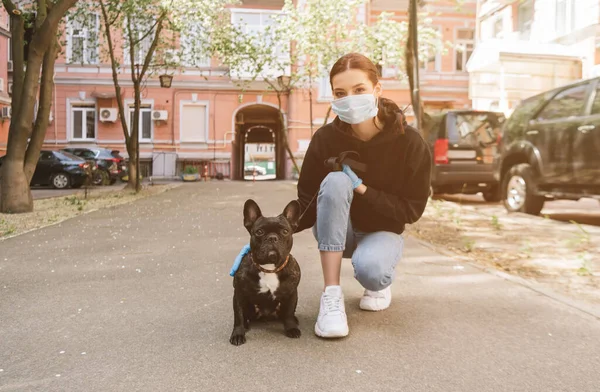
column 327, row 116
column 15, row 194
column 43, row 115
column 412, row 64
column 284, row 134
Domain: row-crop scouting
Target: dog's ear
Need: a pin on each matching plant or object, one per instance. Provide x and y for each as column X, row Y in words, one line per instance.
column 292, row 213
column 251, row 213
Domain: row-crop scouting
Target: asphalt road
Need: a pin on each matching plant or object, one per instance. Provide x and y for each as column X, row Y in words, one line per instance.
column 137, row 298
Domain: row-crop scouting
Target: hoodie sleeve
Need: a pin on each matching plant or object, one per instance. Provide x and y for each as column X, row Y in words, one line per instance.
column 410, row 205
column 311, row 175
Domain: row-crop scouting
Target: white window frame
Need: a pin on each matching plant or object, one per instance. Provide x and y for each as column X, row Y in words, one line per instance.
column 570, row 14
column 437, row 60
column 200, row 61
column 85, row 36
column 87, row 105
column 284, row 50
column 147, row 105
column 142, row 53
column 462, row 53
column 325, row 91
column 204, row 103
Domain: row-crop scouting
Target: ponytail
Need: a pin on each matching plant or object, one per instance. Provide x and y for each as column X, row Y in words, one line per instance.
column 390, row 114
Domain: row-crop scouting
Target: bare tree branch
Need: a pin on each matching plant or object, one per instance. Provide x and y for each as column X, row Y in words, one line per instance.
column 150, row 54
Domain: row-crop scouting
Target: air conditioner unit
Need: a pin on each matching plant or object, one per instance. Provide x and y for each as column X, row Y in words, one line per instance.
column 160, row 115
column 108, row 114
column 6, row 112
column 10, row 66
column 10, row 88
column 1, row 84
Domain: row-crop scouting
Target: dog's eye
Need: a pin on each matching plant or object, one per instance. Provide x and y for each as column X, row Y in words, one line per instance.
column 260, row 232
column 285, row 232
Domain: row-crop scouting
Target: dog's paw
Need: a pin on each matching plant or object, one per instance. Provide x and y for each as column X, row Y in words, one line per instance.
column 237, row 339
column 293, row 333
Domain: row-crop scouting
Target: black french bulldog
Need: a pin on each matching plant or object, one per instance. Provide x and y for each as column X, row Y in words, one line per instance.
column 266, row 283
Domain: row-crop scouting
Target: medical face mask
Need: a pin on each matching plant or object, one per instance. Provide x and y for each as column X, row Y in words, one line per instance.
column 355, row 109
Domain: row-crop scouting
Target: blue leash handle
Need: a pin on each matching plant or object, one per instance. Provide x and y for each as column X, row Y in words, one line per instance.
column 238, row 259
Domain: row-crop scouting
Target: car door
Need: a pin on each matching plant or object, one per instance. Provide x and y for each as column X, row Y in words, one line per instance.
column 43, row 169
column 587, row 142
column 553, row 132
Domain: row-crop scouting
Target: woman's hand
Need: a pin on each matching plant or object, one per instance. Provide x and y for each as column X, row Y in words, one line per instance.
column 357, row 184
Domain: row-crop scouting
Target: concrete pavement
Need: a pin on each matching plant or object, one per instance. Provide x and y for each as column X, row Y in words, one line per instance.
column 137, row 298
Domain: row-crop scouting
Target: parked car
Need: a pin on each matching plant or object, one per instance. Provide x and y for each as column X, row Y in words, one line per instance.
column 550, row 148
column 255, row 170
column 59, row 169
column 464, row 143
column 110, row 166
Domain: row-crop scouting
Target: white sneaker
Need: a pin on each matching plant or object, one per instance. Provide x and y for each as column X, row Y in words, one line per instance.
column 332, row 322
column 376, row 300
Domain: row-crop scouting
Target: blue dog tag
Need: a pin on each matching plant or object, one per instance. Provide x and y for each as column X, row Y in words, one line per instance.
column 238, row 259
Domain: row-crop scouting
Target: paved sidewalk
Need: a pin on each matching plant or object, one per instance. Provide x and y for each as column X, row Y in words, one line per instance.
column 137, row 298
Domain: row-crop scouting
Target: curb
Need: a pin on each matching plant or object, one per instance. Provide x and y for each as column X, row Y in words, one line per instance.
column 572, row 303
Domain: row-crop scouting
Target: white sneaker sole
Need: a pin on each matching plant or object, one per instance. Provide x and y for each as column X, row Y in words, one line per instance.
column 370, row 308
column 331, row 334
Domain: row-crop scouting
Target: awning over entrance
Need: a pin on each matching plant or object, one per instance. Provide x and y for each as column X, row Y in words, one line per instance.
column 504, row 72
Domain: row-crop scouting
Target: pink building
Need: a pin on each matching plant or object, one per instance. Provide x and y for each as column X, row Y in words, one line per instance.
column 204, row 118
column 5, row 86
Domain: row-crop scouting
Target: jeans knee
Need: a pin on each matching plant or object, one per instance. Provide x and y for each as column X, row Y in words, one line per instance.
column 373, row 276
column 336, row 184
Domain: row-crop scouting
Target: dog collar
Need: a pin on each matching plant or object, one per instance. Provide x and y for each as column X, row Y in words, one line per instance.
column 267, row 271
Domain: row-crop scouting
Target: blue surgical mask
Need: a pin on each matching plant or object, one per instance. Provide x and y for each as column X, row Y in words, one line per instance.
column 355, row 109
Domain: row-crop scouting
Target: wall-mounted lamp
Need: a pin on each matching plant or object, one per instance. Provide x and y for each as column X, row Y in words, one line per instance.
column 194, row 97
column 82, row 95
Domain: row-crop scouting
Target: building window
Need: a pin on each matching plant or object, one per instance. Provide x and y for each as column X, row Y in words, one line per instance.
column 192, row 54
column 145, row 122
column 565, row 16
column 465, row 40
column 82, row 40
column 141, row 31
column 525, row 18
column 433, row 61
column 325, row 93
column 254, row 22
column 83, row 121
column 194, row 122
column 499, row 27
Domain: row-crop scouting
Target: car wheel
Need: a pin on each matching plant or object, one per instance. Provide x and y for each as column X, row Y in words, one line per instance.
column 519, row 195
column 98, row 177
column 61, row 181
column 492, row 195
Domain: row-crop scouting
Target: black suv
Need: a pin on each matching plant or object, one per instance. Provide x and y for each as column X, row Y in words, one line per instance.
column 550, row 148
column 464, row 144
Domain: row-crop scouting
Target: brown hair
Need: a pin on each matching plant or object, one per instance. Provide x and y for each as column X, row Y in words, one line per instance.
column 389, row 113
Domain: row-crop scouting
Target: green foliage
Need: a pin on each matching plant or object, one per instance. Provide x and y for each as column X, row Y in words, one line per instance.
column 190, row 170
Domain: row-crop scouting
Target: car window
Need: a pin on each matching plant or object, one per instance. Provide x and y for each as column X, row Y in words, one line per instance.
column 567, row 103
column 596, row 103
column 474, row 128
column 66, row 156
column 86, row 154
column 46, row 156
column 104, row 154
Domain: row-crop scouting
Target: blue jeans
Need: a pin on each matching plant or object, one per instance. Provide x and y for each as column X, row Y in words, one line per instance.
column 374, row 255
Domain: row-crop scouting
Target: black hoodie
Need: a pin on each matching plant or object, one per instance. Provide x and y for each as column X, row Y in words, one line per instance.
column 397, row 178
